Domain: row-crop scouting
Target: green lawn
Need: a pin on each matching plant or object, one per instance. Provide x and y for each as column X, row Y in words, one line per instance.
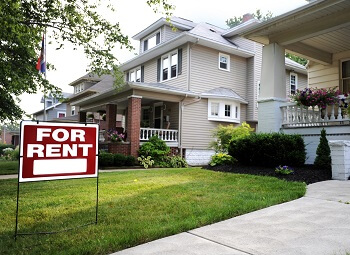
column 134, row 207
column 8, row 167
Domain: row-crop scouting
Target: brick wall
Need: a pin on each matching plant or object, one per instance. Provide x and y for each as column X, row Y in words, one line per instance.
column 119, row 148
column 134, row 116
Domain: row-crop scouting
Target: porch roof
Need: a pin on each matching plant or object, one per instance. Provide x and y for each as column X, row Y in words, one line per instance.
column 224, row 93
column 315, row 31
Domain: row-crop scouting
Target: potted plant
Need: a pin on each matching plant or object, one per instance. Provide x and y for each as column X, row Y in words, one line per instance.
column 114, row 136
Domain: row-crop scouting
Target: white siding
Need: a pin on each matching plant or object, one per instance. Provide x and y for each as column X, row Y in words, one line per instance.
column 302, row 81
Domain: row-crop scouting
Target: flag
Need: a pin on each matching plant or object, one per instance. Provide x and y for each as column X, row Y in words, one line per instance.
column 41, row 65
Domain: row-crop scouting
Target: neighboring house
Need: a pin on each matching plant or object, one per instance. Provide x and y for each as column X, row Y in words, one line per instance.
column 54, row 107
column 320, row 32
column 9, row 135
column 184, row 83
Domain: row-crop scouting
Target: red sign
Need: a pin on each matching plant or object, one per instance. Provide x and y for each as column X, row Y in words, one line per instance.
column 52, row 151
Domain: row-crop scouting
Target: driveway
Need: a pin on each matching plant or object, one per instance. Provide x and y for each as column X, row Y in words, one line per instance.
column 318, row 223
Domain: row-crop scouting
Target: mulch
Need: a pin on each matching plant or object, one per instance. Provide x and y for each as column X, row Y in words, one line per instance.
column 307, row 173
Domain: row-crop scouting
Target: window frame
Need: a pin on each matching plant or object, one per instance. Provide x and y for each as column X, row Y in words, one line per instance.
column 135, row 72
column 169, row 56
column 72, row 110
column 290, row 82
column 228, row 61
column 341, row 75
column 60, row 112
column 154, row 34
column 234, row 110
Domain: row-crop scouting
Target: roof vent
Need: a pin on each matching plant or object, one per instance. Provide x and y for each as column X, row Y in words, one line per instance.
column 212, row 30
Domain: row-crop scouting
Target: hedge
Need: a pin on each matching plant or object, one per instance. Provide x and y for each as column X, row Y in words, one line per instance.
column 109, row 159
column 270, row 149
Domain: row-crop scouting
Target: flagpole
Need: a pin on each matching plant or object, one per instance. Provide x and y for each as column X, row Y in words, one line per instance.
column 45, row 76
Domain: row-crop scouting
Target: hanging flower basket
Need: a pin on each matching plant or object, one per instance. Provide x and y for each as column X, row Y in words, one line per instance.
column 320, row 97
column 114, row 136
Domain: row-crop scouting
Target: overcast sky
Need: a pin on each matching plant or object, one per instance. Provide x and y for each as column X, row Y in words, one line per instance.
column 135, row 15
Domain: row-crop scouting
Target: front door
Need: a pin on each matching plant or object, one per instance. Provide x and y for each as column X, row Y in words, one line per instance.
column 158, row 115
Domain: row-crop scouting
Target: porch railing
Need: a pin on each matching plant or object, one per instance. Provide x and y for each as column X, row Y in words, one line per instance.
column 303, row 116
column 167, row 135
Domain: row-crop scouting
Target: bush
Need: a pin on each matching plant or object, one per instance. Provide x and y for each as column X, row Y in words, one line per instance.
column 224, row 134
column 221, row 159
column 269, row 150
column 323, row 153
column 119, row 159
column 106, row 159
column 130, row 160
column 177, row 162
column 4, row 146
column 156, row 148
column 146, row 161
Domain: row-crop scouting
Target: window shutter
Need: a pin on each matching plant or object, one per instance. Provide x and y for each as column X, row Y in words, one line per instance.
column 142, row 74
column 158, row 38
column 127, row 76
column 145, row 45
column 158, row 70
column 179, row 61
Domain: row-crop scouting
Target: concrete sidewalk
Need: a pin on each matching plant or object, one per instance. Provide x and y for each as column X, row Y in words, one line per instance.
column 316, row 224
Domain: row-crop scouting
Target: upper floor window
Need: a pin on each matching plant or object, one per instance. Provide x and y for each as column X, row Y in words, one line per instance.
column 345, row 76
column 293, row 83
column 135, row 75
column 72, row 110
column 151, row 41
column 224, row 62
column 78, row 88
column 169, row 66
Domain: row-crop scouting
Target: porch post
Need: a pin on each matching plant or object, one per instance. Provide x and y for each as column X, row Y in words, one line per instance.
column 273, row 88
column 111, row 112
column 134, row 117
column 82, row 116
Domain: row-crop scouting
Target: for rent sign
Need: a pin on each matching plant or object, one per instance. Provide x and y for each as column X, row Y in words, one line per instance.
column 51, row 151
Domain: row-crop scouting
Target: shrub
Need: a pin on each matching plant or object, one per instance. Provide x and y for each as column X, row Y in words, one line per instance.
column 106, row 159
column 221, row 159
column 15, row 153
column 119, row 159
column 156, row 148
column 145, row 161
column 269, row 149
column 224, row 134
column 130, row 160
column 284, row 170
column 4, row 146
column 177, row 162
column 323, row 153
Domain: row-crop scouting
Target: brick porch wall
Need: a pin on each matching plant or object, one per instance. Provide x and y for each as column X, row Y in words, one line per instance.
column 119, row 148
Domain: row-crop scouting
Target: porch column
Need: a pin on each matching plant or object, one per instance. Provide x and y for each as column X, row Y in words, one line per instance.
column 111, row 112
column 272, row 89
column 82, row 116
column 134, row 117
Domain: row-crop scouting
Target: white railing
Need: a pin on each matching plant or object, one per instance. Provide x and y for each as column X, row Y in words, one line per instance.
column 167, row 135
column 302, row 116
column 101, row 137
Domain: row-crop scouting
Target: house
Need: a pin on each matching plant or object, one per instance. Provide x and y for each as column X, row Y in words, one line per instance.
column 9, row 135
column 55, row 108
column 320, row 32
column 183, row 84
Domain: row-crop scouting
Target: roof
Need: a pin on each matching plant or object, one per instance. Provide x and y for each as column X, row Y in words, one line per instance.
column 241, row 27
column 160, row 87
column 292, row 65
column 87, row 77
column 223, row 93
column 177, row 22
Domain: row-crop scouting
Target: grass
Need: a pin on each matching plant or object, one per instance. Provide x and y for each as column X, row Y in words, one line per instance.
column 134, row 207
column 8, row 167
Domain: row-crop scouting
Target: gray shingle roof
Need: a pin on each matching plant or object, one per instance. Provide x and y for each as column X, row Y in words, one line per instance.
column 223, row 93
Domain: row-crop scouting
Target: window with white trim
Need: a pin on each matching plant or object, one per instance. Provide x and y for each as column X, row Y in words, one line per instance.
column 61, row 114
column 169, row 66
column 224, row 62
column 151, row 41
column 72, row 110
column 223, row 110
column 135, row 75
column 345, row 76
column 293, row 83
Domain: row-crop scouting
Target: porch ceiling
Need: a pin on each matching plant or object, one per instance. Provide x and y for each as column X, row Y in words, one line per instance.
column 315, row 31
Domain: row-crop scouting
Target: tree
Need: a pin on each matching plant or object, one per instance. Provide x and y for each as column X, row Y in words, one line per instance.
column 323, row 153
column 232, row 22
column 78, row 22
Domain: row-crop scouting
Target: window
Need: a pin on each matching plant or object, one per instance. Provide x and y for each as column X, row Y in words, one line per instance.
column 151, row 41
column 214, row 109
column 224, row 62
column 293, row 83
column 227, row 110
column 224, row 110
column 138, row 75
column 72, row 110
column 169, row 66
column 345, row 76
column 61, row 114
column 135, row 75
column 132, row 76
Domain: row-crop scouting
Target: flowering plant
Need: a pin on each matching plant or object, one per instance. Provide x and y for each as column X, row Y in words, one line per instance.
column 115, row 136
column 320, row 97
column 285, row 170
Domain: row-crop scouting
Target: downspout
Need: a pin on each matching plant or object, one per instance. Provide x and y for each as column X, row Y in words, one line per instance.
column 181, row 108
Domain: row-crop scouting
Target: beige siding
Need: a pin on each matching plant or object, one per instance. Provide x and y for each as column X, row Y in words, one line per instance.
column 172, row 110
column 168, row 33
column 206, row 75
column 325, row 76
column 257, row 76
column 243, row 43
column 250, row 89
column 197, row 129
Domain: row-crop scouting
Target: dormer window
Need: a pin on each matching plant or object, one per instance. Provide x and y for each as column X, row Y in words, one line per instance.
column 151, row 41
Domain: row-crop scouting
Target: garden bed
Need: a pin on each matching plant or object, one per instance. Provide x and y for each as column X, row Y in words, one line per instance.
column 307, row 173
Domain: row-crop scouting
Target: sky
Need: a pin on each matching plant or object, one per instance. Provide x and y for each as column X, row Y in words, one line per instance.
column 135, row 15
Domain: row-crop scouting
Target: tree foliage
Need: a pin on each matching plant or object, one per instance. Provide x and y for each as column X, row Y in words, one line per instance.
column 78, row 22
